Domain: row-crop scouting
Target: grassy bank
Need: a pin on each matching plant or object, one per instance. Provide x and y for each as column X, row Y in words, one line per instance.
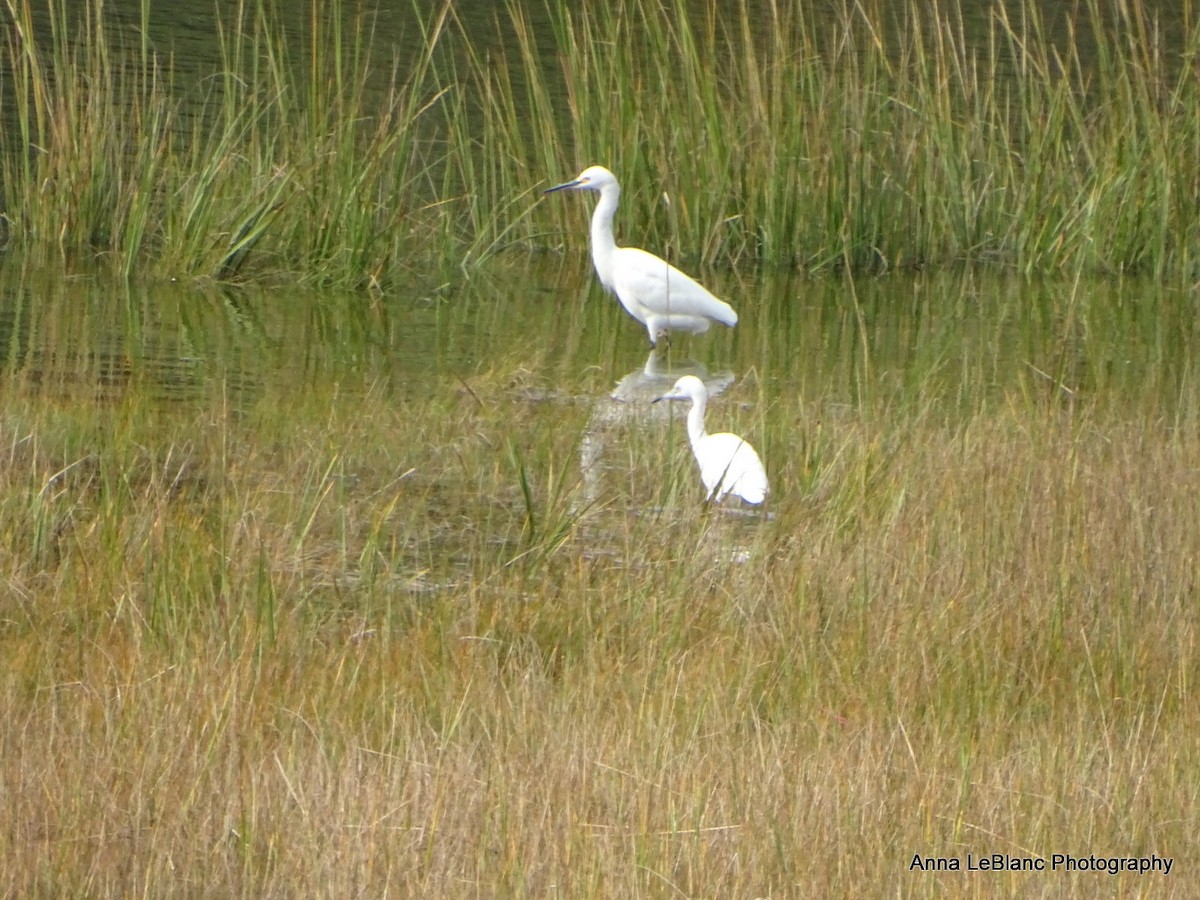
column 398, row 649
column 779, row 140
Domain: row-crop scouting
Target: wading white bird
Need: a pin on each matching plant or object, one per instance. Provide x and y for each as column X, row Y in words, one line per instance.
column 728, row 465
column 652, row 290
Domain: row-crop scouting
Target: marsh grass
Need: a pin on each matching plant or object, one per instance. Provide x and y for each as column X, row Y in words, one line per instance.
column 871, row 139
column 384, row 643
column 282, row 164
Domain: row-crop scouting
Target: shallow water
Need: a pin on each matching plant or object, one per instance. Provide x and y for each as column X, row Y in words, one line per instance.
column 947, row 344
column 949, row 341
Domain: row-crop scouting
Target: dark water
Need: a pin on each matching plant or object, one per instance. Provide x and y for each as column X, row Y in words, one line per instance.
column 187, row 31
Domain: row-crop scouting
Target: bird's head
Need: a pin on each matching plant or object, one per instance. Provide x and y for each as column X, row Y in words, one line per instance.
column 689, row 387
column 593, row 178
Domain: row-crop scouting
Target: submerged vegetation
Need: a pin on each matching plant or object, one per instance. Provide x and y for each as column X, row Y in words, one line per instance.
column 876, row 138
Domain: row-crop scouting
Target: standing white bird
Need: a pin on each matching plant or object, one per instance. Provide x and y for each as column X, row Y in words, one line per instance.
column 652, row 290
column 728, row 465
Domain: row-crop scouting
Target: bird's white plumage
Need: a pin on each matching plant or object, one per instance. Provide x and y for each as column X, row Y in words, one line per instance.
column 652, row 290
column 728, row 464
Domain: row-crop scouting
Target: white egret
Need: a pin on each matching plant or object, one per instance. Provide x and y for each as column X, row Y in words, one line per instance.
column 728, row 465
column 652, row 290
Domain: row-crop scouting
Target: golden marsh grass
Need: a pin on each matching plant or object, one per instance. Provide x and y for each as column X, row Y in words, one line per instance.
column 324, row 651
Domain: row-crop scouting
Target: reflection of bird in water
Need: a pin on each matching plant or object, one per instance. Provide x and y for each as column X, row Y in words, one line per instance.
column 728, row 465
column 627, row 403
column 652, row 290
column 648, row 382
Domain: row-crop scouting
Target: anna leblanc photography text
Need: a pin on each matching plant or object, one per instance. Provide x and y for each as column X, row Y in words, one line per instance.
column 1057, row 862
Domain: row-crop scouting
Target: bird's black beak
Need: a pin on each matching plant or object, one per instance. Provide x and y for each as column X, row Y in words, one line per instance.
column 563, row 187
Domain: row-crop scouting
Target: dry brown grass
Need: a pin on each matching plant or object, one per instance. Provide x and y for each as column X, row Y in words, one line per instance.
column 325, row 653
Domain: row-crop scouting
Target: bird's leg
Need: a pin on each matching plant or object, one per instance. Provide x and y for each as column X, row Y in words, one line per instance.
column 657, row 328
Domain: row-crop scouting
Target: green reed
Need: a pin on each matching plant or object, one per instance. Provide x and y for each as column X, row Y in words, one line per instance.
column 879, row 138
column 286, row 163
column 869, row 144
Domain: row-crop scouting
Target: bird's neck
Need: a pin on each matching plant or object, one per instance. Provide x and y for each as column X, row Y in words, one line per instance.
column 695, row 421
column 604, row 245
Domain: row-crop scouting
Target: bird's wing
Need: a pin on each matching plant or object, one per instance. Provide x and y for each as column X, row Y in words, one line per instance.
column 733, row 462
column 663, row 289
